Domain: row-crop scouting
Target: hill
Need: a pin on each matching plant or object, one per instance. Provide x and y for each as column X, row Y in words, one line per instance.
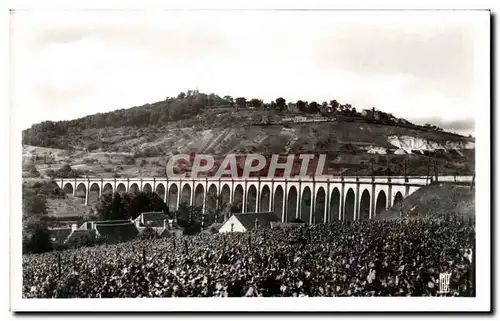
column 437, row 200
column 139, row 140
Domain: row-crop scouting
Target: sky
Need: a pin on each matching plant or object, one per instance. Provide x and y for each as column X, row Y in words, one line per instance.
column 422, row 66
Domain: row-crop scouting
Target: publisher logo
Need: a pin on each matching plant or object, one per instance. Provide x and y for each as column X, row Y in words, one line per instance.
column 444, row 282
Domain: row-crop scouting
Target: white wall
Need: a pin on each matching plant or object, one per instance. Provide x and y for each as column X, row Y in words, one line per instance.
column 226, row 227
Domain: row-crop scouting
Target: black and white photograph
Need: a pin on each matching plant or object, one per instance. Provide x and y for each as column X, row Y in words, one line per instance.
column 250, row 160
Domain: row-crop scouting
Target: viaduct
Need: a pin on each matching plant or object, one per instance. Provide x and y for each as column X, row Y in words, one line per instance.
column 312, row 199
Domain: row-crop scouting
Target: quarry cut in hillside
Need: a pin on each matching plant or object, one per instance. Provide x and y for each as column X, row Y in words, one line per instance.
column 410, row 143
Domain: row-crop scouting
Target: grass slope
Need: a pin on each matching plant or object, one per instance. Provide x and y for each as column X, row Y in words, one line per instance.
column 437, row 200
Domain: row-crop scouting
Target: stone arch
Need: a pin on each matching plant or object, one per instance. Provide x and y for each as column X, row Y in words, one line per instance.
column 381, row 203
column 265, row 196
column 199, row 195
column 278, row 202
column 134, row 188
column 81, row 191
column 94, row 193
column 225, row 195
column 146, row 188
column 120, row 188
column 319, row 208
column 398, row 200
column 107, row 189
column 212, row 206
column 160, row 190
column 349, row 205
column 364, row 206
column 68, row 188
column 334, row 205
column 173, row 193
column 252, row 199
column 291, row 206
column 211, row 202
column 238, row 199
column 305, row 205
column 186, row 194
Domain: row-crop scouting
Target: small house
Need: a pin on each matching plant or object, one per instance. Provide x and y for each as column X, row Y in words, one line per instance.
column 159, row 222
column 243, row 222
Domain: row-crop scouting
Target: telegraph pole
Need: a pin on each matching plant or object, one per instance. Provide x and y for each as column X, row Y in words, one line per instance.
column 428, row 166
column 387, row 160
column 405, row 166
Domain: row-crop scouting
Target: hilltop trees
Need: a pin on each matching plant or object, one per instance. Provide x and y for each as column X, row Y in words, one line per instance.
column 241, row 102
column 335, row 104
column 280, row 103
column 313, row 107
column 185, row 105
column 256, row 103
column 301, row 106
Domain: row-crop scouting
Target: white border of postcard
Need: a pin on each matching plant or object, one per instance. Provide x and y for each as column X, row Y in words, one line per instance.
column 480, row 303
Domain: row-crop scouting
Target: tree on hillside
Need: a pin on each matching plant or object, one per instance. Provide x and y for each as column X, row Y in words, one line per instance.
column 181, row 95
column 241, row 102
column 190, row 218
column 228, row 99
column 34, row 203
column 254, row 102
column 110, row 207
column 301, row 106
column 313, row 107
column 213, row 100
column 116, row 207
column 64, row 172
column 335, row 104
column 280, row 103
column 143, row 202
column 31, row 170
column 38, row 241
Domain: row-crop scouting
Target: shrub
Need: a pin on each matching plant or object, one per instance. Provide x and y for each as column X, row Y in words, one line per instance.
column 129, row 160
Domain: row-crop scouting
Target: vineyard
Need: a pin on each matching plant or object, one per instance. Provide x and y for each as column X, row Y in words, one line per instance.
column 361, row 258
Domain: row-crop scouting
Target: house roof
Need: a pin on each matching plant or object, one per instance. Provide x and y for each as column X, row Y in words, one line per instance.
column 153, row 219
column 264, row 219
column 216, row 226
column 78, row 234
column 117, row 232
